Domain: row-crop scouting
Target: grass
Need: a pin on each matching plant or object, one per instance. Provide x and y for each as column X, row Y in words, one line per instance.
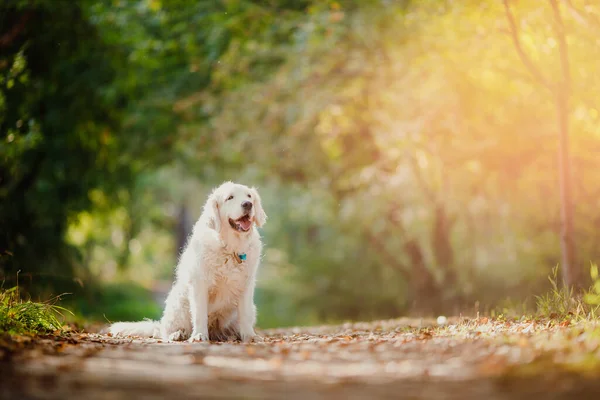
column 25, row 317
column 102, row 303
column 558, row 303
column 562, row 302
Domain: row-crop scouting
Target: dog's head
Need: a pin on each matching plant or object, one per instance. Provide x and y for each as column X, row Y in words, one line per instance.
column 235, row 206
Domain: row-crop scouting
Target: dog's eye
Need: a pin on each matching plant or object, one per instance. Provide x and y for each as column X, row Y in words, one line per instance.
column 230, row 197
column 249, row 196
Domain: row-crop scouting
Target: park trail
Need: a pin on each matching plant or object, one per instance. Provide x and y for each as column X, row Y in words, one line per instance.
column 403, row 358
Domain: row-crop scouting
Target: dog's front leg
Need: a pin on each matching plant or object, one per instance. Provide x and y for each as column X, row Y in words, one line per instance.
column 247, row 314
column 199, row 309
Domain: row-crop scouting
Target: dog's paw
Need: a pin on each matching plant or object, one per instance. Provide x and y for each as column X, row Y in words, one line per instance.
column 198, row 337
column 252, row 338
column 177, row 336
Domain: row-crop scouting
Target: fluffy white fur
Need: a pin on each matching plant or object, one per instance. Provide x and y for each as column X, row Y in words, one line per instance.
column 213, row 293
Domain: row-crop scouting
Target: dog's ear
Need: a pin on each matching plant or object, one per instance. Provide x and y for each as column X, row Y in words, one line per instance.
column 212, row 209
column 260, row 217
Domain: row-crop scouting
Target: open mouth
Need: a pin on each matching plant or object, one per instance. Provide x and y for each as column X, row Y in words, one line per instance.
column 242, row 224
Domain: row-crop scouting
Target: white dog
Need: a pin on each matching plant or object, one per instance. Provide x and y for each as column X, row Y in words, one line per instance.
column 213, row 293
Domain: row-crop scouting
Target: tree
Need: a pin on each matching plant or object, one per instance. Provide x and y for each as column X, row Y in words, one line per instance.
column 66, row 89
column 55, row 128
column 560, row 89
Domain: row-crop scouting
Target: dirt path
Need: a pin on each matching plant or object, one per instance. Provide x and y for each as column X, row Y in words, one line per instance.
column 386, row 359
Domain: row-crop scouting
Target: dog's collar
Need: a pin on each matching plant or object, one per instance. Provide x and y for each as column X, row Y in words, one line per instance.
column 239, row 257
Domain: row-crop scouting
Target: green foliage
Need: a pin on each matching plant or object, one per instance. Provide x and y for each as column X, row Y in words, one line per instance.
column 67, row 101
column 115, row 302
column 54, row 130
column 592, row 296
column 19, row 316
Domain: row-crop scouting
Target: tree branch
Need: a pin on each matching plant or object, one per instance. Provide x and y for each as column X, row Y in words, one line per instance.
column 17, row 28
column 514, row 32
column 582, row 17
column 559, row 29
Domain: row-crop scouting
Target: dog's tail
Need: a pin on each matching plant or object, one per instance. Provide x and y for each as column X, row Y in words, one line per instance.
column 145, row 328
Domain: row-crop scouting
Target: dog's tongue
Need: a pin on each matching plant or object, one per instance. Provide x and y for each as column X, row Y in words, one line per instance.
column 245, row 223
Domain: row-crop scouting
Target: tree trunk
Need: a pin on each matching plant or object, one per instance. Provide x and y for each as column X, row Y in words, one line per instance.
column 561, row 91
column 441, row 244
column 425, row 291
column 570, row 272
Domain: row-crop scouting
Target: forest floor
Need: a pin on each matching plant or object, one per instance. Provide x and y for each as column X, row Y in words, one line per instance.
column 410, row 358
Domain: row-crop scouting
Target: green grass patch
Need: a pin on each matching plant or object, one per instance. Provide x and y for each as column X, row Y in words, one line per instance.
column 25, row 317
column 563, row 302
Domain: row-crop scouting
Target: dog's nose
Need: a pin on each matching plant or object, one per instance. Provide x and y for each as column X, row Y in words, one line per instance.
column 247, row 205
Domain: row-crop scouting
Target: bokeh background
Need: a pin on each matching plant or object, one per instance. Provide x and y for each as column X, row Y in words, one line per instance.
column 405, row 152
